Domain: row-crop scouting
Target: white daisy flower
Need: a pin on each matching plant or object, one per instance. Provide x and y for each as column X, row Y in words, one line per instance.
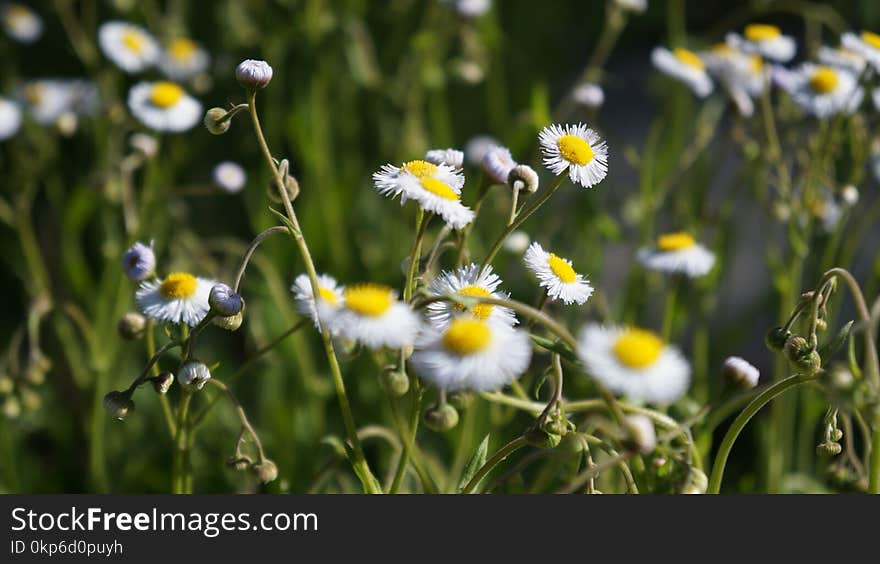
column 179, row 298
column 129, row 46
column 475, row 149
column 373, row 316
column 449, row 157
column 21, row 23
column 866, row 44
column 683, row 65
column 230, row 176
column 677, row 253
column 468, row 281
column 389, row 181
column 824, row 91
column 497, row 163
column 588, row 94
column 164, row 106
column 471, row 354
column 10, row 118
column 557, row 276
column 330, row 295
column 183, row 58
column 575, row 148
column 842, row 58
column 436, row 196
column 634, row 362
column 742, row 76
column 47, row 99
column 765, row 40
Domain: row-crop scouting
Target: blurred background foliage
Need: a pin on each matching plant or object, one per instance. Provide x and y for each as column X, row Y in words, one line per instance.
column 359, row 83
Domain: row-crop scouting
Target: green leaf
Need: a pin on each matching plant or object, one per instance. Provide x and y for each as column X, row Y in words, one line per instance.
column 287, row 223
column 828, row 350
column 475, row 463
column 554, row 346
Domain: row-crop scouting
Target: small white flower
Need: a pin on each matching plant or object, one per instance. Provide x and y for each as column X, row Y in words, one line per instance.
column 48, row 99
column 742, row 76
column 193, row 373
column 21, row 23
column 843, row 58
column 634, row 362
column 10, row 118
column 130, row 47
column 449, row 157
column 230, row 176
column 372, row 315
column 683, row 65
column 183, row 58
column 765, row 40
column 740, row 372
column 472, row 355
column 517, row 242
column 389, row 181
column 330, row 295
column 677, row 253
column 824, row 91
column 866, row 44
column 577, row 149
column 468, row 281
column 164, row 106
column 589, row 95
column 497, row 163
column 475, row 149
column 179, row 298
column 557, row 276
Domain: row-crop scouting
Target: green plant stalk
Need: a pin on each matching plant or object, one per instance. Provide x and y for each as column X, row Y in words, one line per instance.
column 874, row 463
column 742, row 420
column 358, row 460
column 163, row 399
column 499, row 455
column 178, row 480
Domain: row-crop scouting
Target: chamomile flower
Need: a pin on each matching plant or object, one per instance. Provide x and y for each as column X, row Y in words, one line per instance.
column 824, row 91
column 129, row 46
column 389, row 181
column 330, row 297
column 497, row 163
column 468, row 281
column 164, row 106
column 10, row 118
column 449, row 157
column 765, row 40
column 634, row 363
column 21, row 23
column 684, row 65
column 179, row 298
column 677, row 253
column 436, row 196
column 470, row 354
column 577, row 149
column 742, row 76
column 183, row 58
column 842, row 58
column 230, row 176
column 557, row 275
column 866, row 44
column 373, row 316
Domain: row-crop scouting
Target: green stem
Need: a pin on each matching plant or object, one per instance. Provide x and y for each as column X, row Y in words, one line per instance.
column 178, row 472
column 500, row 455
column 874, row 464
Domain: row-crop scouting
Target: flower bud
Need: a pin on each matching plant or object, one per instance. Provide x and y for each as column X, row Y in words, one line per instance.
column 828, row 449
column 253, row 74
column 740, row 372
column 147, row 145
column 776, row 338
column 162, row 382
column 239, row 463
column 523, row 177
column 11, row 407
column 461, row 399
column 395, row 381
column 34, row 375
column 850, row 195
column 540, row 438
column 641, row 436
column 801, row 355
column 441, row 417
column 118, row 404
column 265, row 471
column 193, row 374
column 132, row 326
column 139, row 261
column 215, row 123
column 291, row 185
column 224, row 300
column 697, row 482
column 230, row 323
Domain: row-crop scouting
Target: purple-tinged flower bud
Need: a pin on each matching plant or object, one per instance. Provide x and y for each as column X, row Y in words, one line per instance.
column 139, row 261
column 225, row 301
column 253, row 74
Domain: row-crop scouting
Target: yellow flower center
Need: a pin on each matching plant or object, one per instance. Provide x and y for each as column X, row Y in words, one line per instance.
column 756, row 64
column 824, row 80
column 675, row 242
column 34, row 92
column 178, row 285
column 871, row 39
column 439, row 188
column 18, row 15
column 165, row 94
column 182, row 49
column 722, row 49
column 134, row 40
column 689, row 58
column 467, row 336
column 368, row 299
column 762, row 32
column 575, row 150
column 420, row 169
column 561, row 269
column 637, row 348
column 480, row 311
column 327, row 295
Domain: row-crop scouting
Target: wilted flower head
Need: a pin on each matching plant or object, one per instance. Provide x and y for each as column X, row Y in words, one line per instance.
column 139, row 261
column 225, row 301
column 193, row 373
column 523, row 177
column 253, row 74
column 230, row 176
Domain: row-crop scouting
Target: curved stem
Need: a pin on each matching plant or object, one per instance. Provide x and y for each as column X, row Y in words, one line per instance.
column 242, row 416
column 250, row 252
column 500, row 455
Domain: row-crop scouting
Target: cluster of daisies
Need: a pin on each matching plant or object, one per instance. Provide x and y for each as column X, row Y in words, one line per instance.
column 747, row 64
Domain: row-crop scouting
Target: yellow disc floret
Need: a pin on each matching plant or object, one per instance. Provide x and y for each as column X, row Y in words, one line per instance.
column 420, row 169
column 467, row 336
column 689, row 58
column 165, row 94
column 181, row 49
column 327, row 295
column 637, row 348
column 439, row 188
column 134, row 40
column 871, row 39
column 824, row 80
column 178, row 285
column 575, row 150
column 369, row 299
column 762, row 32
column 480, row 311
column 675, row 242
column 561, row 269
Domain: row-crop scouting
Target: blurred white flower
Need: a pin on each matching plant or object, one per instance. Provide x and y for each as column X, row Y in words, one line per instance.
column 765, row 40
column 183, row 58
column 10, row 118
column 677, row 253
column 589, row 95
column 21, row 23
column 683, row 65
column 164, row 106
column 230, row 176
column 129, row 46
column 824, row 91
column 373, row 316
